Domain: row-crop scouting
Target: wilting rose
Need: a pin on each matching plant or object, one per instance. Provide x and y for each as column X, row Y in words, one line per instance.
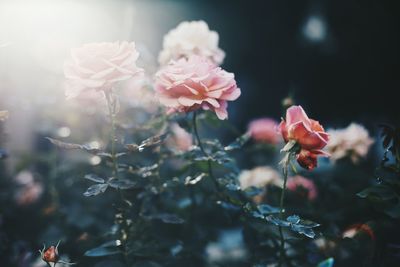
column 180, row 139
column 353, row 142
column 190, row 84
column 307, row 133
column 297, row 183
column 191, row 38
column 264, row 130
column 99, row 66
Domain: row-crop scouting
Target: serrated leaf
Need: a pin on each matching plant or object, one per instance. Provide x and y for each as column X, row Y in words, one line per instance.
column 94, row 178
column 121, row 183
column 295, row 219
column 277, row 221
column 303, row 230
column 95, row 190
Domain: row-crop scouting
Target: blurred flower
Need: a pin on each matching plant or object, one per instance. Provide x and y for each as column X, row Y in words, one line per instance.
column 228, row 247
column 264, row 130
column 99, row 66
column 3, row 115
column 307, row 133
column 298, row 183
column 139, row 93
column 356, row 229
column 29, row 191
column 191, row 38
column 190, row 84
column 180, row 139
column 260, row 177
column 352, row 142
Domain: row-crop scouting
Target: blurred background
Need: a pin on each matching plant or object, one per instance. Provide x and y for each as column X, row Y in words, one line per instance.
column 339, row 59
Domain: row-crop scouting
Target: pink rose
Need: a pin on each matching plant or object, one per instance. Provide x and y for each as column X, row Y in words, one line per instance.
column 190, row 84
column 264, row 130
column 307, row 133
column 99, row 66
column 297, row 182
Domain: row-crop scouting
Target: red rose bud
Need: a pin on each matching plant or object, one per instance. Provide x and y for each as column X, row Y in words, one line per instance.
column 51, row 254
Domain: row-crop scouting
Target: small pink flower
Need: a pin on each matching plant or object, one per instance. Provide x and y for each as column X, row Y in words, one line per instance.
column 190, row 84
column 297, row 182
column 307, row 133
column 99, row 67
column 264, row 130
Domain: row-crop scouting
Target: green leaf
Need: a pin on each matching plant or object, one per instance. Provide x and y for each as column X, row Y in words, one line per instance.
column 121, row 183
column 94, row 178
column 267, row 209
column 166, row 218
column 95, row 190
column 238, row 143
column 102, row 251
column 326, row 263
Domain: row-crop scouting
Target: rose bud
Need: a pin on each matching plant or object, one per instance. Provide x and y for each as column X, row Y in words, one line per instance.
column 50, row 254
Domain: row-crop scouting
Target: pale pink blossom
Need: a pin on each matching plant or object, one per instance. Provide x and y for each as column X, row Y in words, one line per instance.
column 190, row 84
column 260, row 177
column 180, row 139
column 307, row 133
column 353, row 142
column 99, row 67
column 299, row 182
column 264, row 130
column 191, row 38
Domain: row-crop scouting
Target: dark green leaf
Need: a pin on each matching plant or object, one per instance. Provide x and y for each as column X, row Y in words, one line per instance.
column 267, row 209
column 121, row 183
column 102, row 251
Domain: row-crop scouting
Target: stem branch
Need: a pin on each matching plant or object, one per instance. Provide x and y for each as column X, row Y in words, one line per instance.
column 210, row 171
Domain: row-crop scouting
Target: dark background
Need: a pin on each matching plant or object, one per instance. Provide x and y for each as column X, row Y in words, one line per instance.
column 351, row 75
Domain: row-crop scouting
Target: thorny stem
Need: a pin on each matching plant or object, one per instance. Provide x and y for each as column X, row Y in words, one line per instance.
column 282, row 254
column 210, row 171
column 112, row 106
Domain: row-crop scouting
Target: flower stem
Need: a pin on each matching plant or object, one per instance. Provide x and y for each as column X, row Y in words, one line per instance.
column 111, row 104
column 282, row 254
column 210, row 171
